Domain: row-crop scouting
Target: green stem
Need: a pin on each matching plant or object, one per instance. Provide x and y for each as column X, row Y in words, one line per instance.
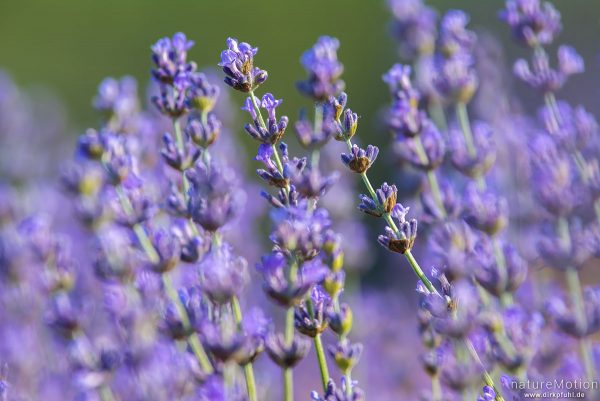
column 288, row 385
column 322, row 361
column 486, row 376
column 465, row 126
column 574, row 285
column 431, row 177
column 436, row 388
column 153, row 256
column 248, row 368
column 409, row 257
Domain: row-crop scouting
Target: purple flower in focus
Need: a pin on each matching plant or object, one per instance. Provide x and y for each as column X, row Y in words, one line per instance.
column 170, row 58
column 237, row 62
column 387, row 196
column 360, row 160
column 274, row 129
column 403, row 240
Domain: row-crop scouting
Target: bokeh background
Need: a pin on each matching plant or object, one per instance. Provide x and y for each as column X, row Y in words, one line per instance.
column 68, row 46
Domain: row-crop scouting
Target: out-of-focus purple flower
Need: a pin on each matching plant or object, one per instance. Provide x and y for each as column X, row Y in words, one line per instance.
column 487, row 394
column 223, row 274
column 452, row 244
column 426, row 151
column 562, row 252
column 345, row 354
column 342, row 393
column 455, row 77
column 387, row 196
column 170, row 58
column 168, row 251
column 284, row 354
column 499, row 280
column 237, row 62
column 522, row 328
column 533, row 23
column 451, row 204
column 413, row 27
column 289, row 291
column 539, row 75
column 203, row 131
column 485, row 210
column 117, row 97
column 274, row 130
column 483, row 158
column 271, row 173
column 404, row 240
column 398, row 80
column 175, row 157
column 310, row 136
column 360, row 160
column 454, row 37
column 202, row 94
column 552, row 176
column 569, row 322
column 171, row 100
column 572, row 127
column 214, row 197
column 323, row 68
column 311, row 183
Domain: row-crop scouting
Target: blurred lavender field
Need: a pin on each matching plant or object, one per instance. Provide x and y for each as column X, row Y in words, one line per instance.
column 199, row 244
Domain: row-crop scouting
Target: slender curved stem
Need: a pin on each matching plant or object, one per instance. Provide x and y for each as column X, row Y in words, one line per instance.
column 322, row 361
column 248, row 368
column 153, row 256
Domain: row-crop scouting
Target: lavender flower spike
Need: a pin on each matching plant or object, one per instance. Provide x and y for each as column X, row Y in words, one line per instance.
column 386, row 201
column 404, row 239
column 360, row 160
column 323, row 68
column 533, row 23
column 237, row 62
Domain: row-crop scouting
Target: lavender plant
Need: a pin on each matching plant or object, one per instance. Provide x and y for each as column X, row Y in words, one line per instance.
column 139, row 276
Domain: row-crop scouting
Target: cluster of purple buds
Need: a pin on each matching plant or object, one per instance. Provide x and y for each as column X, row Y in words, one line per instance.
column 414, row 27
column 237, row 62
column 303, row 272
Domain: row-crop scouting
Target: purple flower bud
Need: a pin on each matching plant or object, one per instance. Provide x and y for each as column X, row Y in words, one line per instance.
column 398, row 79
column 223, row 274
column 117, row 97
column 345, row 354
column 454, row 37
column 552, row 176
column 168, row 250
column 203, row 132
column 202, row 95
column 485, row 211
column 567, row 320
column 483, row 158
column 284, row 354
column 499, row 280
column 487, row 394
column 403, row 240
column 385, row 203
column 425, row 152
column 342, row 393
column 570, row 127
column 533, row 23
column 453, row 244
column 323, row 68
column 413, row 27
column 176, row 158
column 310, row 319
column 308, row 137
column 539, row 75
column 238, row 65
column 170, row 58
column 172, row 99
column 450, row 203
column 360, row 160
column 214, row 198
column 310, row 183
column 455, row 77
column 349, row 125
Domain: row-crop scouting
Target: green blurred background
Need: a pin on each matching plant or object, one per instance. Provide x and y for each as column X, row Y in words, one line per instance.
column 70, row 45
